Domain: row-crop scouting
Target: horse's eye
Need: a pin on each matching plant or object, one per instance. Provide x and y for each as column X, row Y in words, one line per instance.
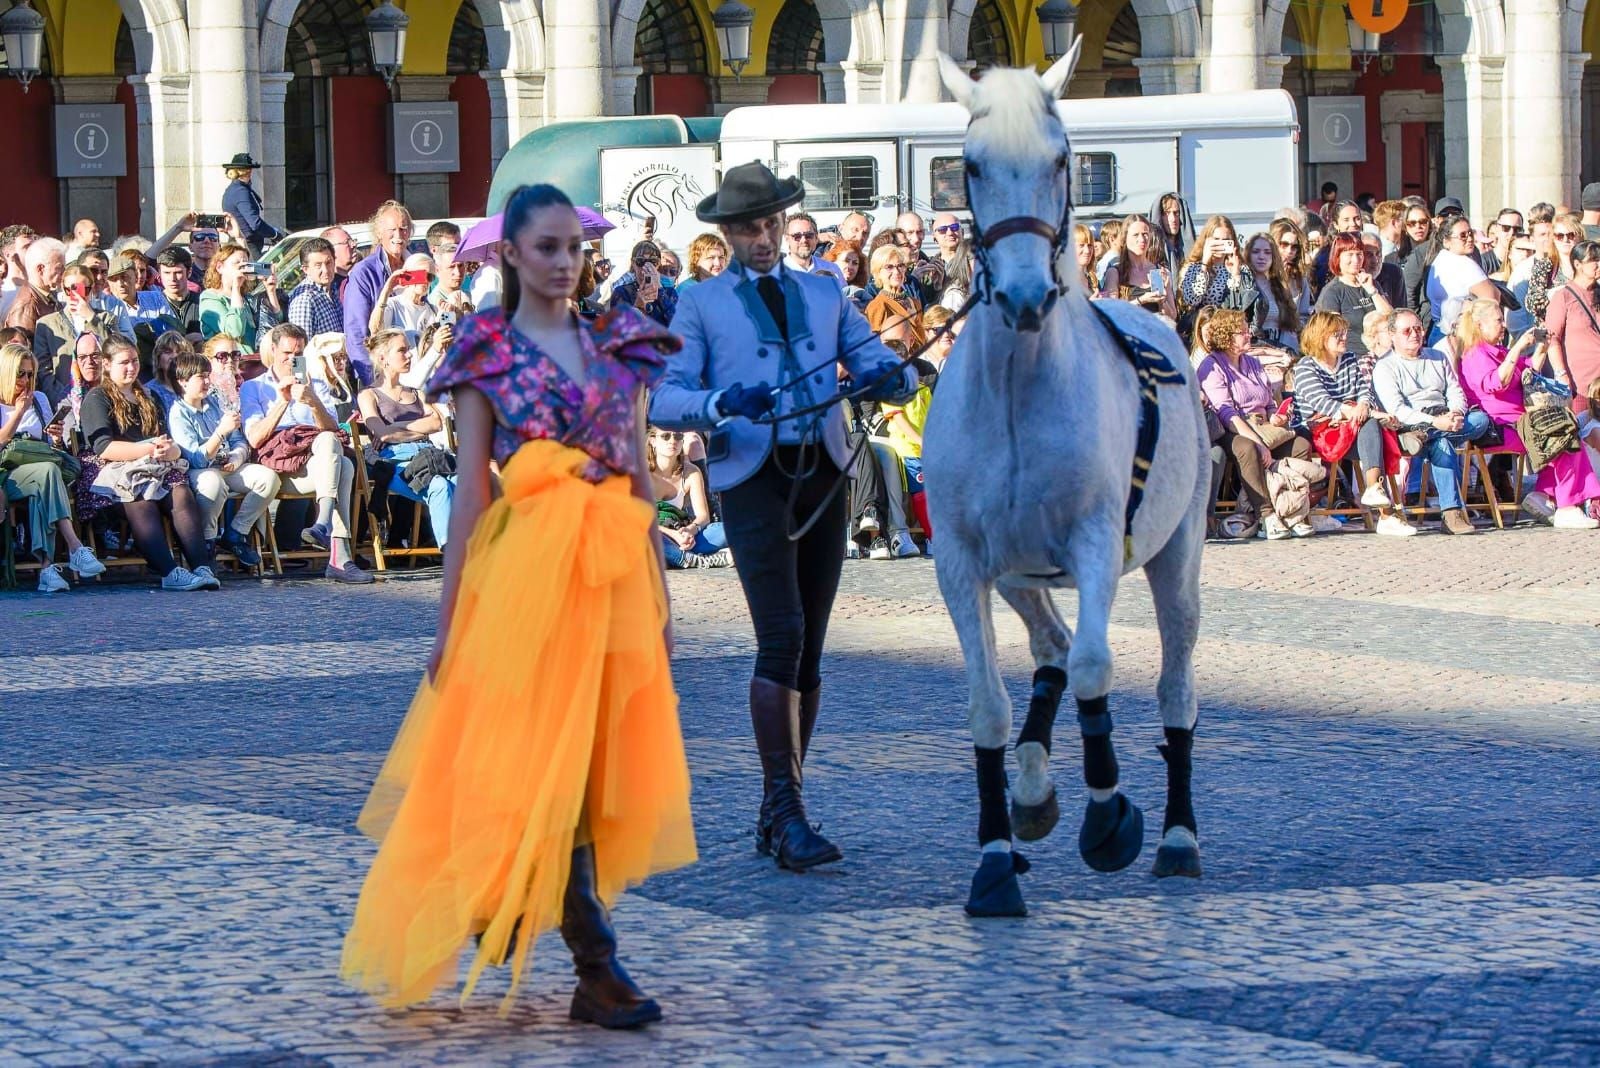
column 1061, row 162
column 972, row 170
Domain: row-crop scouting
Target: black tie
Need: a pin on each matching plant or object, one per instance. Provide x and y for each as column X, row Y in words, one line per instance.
column 772, row 297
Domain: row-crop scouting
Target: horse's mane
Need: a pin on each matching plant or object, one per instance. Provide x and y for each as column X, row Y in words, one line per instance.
column 1014, row 109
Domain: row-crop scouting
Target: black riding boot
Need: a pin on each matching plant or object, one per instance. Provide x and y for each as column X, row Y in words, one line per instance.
column 810, row 702
column 778, row 715
column 605, row 994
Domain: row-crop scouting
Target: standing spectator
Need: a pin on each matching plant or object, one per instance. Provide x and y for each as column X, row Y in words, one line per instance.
column 1417, row 386
column 1110, row 239
column 955, row 256
column 1454, row 276
column 1491, row 379
column 1387, row 278
column 124, row 279
column 1214, row 274
column 85, row 236
column 1084, row 252
column 800, row 237
column 25, row 413
column 174, row 306
column 86, row 365
column 1279, row 320
column 1552, row 267
column 204, row 243
column 400, row 423
column 644, row 290
column 344, row 256
column 856, row 227
column 1413, row 250
column 45, row 261
column 140, row 466
column 894, row 314
column 210, row 440
column 1236, row 387
column 1516, row 273
column 1352, row 292
column 55, row 335
column 242, row 202
column 927, row 271
column 1291, row 244
column 1326, row 203
column 404, row 307
column 273, row 406
column 1390, row 219
column 391, row 228
column 1507, row 226
column 449, row 292
column 1589, row 201
column 225, row 306
column 853, row 265
column 14, row 242
column 312, row 305
column 1174, row 228
column 1346, row 220
column 708, row 255
column 1136, row 275
column 1573, row 323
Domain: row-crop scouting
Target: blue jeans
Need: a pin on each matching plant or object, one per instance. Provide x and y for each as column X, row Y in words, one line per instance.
column 440, row 493
column 706, row 541
column 1440, row 452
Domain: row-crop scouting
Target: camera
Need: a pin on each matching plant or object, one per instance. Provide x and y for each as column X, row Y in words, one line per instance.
column 261, row 267
column 210, row 222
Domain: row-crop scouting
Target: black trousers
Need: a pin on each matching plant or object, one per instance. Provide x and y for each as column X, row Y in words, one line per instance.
column 866, row 488
column 789, row 585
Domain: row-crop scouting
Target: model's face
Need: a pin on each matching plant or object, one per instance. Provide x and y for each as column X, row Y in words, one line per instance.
column 547, row 253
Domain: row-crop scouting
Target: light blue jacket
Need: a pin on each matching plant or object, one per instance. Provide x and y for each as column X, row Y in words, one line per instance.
column 729, row 339
column 191, row 429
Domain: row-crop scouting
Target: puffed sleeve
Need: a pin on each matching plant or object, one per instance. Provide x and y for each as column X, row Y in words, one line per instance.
column 636, row 341
column 481, row 350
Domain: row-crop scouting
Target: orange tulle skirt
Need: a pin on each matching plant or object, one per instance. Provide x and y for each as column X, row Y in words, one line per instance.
column 552, row 722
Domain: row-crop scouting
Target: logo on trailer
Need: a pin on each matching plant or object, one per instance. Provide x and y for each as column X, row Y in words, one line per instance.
column 662, row 190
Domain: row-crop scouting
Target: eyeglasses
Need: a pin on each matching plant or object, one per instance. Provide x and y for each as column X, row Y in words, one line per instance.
column 669, row 272
column 1566, row 235
column 894, row 266
column 1417, row 222
column 200, row 235
column 803, row 235
column 224, row 355
column 89, row 357
column 24, row 374
column 949, row 228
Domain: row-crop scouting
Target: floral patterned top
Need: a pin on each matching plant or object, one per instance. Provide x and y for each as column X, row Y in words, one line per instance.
column 534, row 398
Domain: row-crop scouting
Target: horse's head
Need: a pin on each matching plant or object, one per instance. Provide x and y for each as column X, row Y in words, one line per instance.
column 1018, row 183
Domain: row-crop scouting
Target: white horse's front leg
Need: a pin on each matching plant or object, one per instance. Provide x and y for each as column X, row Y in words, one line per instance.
column 1034, row 808
column 994, row 886
column 1174, row 575
column 1113, row 827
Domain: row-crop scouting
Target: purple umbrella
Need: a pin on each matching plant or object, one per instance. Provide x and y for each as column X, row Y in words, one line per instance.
column 478, row 244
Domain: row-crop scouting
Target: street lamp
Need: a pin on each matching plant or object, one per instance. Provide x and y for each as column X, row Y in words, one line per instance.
column 22, row 31
column 732, row 21
column 1057, row 25
column 386, row 33
column 1363, row 43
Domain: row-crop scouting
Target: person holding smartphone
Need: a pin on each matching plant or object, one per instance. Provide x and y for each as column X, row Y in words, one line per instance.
column 402, row 303
column 228, row 307
column 55, row 335
column 1215, row 274
column 642, row 288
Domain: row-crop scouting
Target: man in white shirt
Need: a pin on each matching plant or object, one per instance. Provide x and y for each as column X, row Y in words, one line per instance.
column 800, row 238
column 281, row 399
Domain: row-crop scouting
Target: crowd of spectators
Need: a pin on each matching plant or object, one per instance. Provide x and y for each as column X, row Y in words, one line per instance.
column 167, row 395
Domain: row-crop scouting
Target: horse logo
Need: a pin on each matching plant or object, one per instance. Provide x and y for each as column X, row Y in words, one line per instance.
column 664, row 192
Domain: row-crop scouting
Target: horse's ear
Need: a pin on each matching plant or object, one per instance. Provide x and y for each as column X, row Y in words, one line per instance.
column 956, row 82
column 1060, row 73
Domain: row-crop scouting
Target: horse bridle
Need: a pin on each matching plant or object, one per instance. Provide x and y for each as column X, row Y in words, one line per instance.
column 985, row 238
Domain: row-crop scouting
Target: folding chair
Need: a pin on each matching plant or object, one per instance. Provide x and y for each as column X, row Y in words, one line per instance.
column 1477, row 458
column 361, row 441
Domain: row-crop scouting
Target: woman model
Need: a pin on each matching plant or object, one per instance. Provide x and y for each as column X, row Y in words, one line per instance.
column 540, row 769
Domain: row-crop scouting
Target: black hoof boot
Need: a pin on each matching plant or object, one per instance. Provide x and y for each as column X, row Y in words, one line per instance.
column 1178, row 854
column 606, row 996
column 1033, row 822
column 1112, row 834
column 995, row 891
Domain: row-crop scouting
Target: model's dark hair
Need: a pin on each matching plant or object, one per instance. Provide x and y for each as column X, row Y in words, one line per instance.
column 525, row 202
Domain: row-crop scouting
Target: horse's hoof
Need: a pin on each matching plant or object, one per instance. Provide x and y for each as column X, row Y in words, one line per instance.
column 1177, row 860
column 1033, row 822
column 1112, row 834
column 995, row 891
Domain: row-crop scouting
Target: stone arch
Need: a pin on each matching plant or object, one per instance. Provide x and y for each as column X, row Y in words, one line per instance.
column 160, row 35
column 1168, row 29
column 512, row 28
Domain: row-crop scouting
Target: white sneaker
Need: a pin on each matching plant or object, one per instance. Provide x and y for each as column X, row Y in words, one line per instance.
column 1539, row 505
column 1392, row 526
column 52, row 581
column 1375, row 496
column 1572, row 518
column 1302, row 529
column 182, row 580
column 1272, row 528
column 83, row 562
column 1327, row 524
column 209, row 576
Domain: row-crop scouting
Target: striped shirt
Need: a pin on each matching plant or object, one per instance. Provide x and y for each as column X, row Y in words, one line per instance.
column 1319, row 392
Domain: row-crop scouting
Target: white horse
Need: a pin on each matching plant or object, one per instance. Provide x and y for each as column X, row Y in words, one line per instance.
column 1030, row 460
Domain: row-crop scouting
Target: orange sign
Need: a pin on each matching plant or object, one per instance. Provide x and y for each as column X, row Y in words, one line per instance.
column 1379, row 16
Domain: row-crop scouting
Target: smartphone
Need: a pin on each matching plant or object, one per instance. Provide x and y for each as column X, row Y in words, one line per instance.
column 210, row 222
column 1540, row 334
column 261, row 267
column 80, row 289
column 300, row 374
column 1158, row 282
column 447, row 318
column 412, row 278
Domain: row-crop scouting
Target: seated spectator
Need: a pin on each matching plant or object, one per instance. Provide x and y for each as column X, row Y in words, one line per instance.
column 1491, row 379
column 1334, row 404
column 642, row 287
column 689, row 538
column 708, row 255
column 328, row 362
column 141, row 467
column 210, row 439
column 24, row 413
column 1388, row 278
column 226, row 307
column 86, row 365
column 289, row 422
column 312, row 305
column 904, row 423
column 1236, row 386
column 1420, row 389
column 223, row 356
column 405, row 307
column 1214, row 273
column 44, row 261
column 55, row 335
column 894, row 313
column 173, row 306
column 1589, row 433
column 1351, row 291
column 847, row 254
column 1378, row 338
column 1136, row 275
column 163, row 380
column 399, row 422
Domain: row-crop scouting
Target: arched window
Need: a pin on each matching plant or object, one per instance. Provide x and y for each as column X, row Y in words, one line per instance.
column 126, row 62
column 796, row 46
column 1121, row 49
column 668, row 40
column 987, row 43
column 329, row 37
column 469, row 48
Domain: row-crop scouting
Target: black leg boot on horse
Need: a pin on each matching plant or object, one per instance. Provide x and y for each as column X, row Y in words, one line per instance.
column 1179, row 852
column 606, row 995
column 810, row 702
column 1033, row 822
column 1113, row 828
column 776, row 716
column 995, row 891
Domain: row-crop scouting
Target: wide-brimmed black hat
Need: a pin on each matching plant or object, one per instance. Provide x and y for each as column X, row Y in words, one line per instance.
column 242, row 162
column 749, row 191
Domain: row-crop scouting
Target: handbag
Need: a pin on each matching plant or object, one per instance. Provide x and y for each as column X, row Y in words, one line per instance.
column 21, row 451
column 1412, row 441
column 1270, row 434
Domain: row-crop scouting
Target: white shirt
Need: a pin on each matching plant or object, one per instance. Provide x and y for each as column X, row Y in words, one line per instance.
column 1451, row 277
column 8, row 295
column 818, row 266
column 32, row 424
column 485, row 291
column 260, row 394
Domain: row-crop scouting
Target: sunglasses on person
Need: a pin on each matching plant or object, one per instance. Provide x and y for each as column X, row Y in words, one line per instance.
column 203, row 235
column 667, row 272
column 949, row 228
column 1418, row 221
column 21, row 375
column 668, row 435
column 802, row 235
column 602, row 265
column 225, row 355
column 1416, row 329
column 1566, row 235
column 1289, row 246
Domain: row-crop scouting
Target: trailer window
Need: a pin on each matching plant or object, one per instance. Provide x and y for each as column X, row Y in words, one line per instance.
column 849, row 184
column 1094, row 181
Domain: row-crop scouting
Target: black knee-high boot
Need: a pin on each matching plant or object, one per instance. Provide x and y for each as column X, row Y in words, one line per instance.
column 775, row 716
column 605, row 994
column 810, row 703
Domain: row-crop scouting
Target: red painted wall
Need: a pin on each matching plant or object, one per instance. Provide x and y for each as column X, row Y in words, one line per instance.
column 127, row 221
column 31, row 194
column 360, row 136
column 1408, row 74
column 685, row 95
column 469, row 187
column 795, row 89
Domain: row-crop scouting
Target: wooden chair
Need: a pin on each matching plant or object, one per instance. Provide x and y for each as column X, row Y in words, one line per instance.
column 381, row 552
column 1358, row 484
column 1478, row 459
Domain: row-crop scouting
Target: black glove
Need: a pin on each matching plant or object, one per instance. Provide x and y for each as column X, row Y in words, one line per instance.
column 752, row 402
column 885, row 383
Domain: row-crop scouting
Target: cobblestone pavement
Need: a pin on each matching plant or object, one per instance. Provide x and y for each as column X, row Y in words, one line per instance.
column 1395, row 779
